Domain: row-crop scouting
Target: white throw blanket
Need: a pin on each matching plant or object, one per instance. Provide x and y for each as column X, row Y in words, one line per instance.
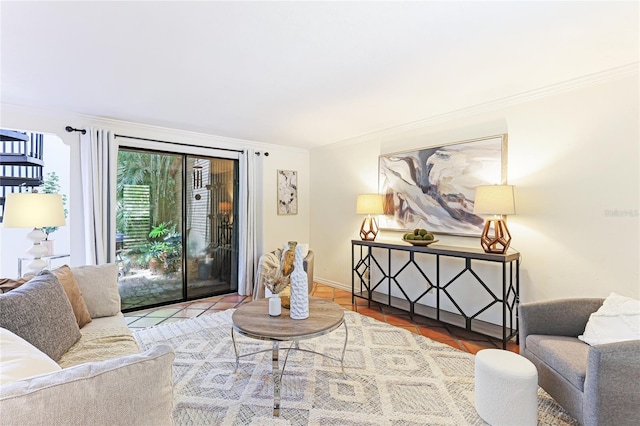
column 100, row 345
column 267, row 265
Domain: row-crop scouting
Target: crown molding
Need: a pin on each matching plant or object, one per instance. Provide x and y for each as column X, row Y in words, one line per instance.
column 122, row 126
column 588, row 80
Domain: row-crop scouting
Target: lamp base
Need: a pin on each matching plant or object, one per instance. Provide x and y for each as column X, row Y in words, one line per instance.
column 369, row 229
column 37, row 250
column 500, row 240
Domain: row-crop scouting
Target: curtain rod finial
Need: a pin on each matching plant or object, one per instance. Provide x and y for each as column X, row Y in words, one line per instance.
column 71, row 129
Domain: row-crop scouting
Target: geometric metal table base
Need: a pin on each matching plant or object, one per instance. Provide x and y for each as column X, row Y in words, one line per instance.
column 276, row 372
column 252, row 320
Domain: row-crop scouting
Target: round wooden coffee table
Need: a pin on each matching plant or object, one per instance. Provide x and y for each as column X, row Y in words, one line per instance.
column 253, row 320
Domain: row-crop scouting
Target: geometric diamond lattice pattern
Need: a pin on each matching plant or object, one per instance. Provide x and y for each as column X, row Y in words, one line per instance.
column 394, row 377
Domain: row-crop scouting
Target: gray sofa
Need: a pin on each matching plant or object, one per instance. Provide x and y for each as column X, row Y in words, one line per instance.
column 101, row 378
column 597, row 385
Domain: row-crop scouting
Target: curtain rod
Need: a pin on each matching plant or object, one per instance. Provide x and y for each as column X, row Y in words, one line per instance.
column 266, row 154
column 71, row 129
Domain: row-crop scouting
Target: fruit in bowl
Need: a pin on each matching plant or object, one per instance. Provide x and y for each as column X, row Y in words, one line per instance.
column 419, row 236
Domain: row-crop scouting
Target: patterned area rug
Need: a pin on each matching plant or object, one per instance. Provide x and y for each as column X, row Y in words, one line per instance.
column 394, row 377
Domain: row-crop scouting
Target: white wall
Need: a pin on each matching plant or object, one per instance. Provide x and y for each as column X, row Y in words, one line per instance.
column 279, row 229
column 574, row 159
column 275, row 229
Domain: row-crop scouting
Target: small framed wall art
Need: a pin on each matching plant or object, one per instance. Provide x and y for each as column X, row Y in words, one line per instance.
column 434, row 187
column 287, row 192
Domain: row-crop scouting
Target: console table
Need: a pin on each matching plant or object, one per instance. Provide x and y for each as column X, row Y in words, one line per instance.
column 376, row 257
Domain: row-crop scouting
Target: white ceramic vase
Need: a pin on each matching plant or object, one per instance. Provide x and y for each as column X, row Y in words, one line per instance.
column 275, row 305
column 299, row 288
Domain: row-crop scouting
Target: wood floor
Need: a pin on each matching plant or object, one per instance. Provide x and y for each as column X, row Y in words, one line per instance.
column 450, row 335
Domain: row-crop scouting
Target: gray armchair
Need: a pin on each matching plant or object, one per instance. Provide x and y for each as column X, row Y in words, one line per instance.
column 598, row 385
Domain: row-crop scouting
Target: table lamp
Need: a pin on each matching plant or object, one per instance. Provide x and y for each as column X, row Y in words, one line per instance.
column 369, row 204
column 34, row 210
column 497, row 200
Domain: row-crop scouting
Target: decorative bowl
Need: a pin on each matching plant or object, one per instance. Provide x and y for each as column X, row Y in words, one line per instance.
column 420, row 242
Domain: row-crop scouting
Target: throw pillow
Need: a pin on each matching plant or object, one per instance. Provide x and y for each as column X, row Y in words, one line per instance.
column 70, row 285
column 99, row 287
column 41, row 314
column 20, row 359
column 7, row 284
column 617, row 320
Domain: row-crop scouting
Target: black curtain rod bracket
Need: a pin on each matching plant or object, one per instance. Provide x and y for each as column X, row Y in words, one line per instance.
column 266, row 154
column 71, row 129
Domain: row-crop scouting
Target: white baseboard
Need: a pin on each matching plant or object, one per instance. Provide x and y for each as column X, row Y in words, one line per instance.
column 333, row 284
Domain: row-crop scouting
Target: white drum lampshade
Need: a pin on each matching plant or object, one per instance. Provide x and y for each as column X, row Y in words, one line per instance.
column 34, row 210
column 369, row 204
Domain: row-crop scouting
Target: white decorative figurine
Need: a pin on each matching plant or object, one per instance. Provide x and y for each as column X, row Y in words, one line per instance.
column 299, row 288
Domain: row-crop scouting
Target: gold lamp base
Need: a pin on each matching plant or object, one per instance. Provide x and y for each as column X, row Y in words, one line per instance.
column 499, row 241
column 369, row 229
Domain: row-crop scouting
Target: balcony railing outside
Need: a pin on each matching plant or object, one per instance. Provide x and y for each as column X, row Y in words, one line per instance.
column 21, row 163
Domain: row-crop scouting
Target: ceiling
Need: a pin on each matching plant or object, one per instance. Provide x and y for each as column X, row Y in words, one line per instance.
column 300, row 74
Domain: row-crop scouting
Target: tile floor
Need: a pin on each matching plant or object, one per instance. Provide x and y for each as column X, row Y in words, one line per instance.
column 450, row 335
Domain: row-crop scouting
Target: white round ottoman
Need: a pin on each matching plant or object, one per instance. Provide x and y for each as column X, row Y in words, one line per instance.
column 506, row 389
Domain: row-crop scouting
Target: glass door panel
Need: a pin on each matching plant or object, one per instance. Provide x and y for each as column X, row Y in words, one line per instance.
column 211, row 236
column 149, row 228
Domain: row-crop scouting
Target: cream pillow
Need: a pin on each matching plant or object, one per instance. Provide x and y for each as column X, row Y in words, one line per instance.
column 99, row 287
column 19, row 359
column 617, row 320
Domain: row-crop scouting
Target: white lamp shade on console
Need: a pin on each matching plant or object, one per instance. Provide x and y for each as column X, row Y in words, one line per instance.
column 495, row 200
column 34, row 210
column 369, row 204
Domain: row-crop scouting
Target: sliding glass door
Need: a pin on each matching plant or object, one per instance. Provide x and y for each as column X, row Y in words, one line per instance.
column 175, row 235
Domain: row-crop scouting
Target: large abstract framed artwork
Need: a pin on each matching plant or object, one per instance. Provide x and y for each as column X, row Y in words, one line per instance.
column 287, row 192
column 434, row 188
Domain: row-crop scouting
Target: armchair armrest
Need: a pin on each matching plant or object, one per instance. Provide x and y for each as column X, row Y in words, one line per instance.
column 612, row 384
column 563, row 317
column 308, row 268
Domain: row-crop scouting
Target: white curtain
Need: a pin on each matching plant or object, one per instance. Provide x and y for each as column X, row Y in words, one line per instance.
column 248, row 255
column 98, row 168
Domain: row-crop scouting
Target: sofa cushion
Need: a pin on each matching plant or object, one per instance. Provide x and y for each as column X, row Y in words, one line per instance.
column 100, row 345
column 70, row 285
column 566, row 355
column 114, row 321
column 130, row 390
column 617, row 320
column 39, row 312
column 99, row 287
column 19, row 359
